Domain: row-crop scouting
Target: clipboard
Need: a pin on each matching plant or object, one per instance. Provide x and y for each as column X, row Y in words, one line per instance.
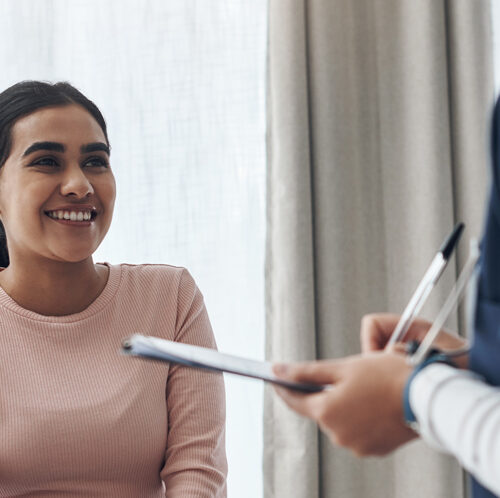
column 207, row 359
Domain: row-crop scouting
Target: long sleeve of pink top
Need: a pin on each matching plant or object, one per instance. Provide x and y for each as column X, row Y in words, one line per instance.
column 78, row 418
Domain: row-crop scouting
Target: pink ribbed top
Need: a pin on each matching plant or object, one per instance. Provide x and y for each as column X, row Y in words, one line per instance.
column 78, row 418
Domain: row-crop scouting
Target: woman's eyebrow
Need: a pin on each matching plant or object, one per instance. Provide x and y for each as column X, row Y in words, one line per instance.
column 93, row 147
column 58, row 147
column 44, row 146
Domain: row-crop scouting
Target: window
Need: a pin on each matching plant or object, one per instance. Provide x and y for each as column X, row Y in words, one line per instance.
column 182, row 87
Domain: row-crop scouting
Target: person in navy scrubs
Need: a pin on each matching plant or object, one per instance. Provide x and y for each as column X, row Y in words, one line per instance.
column 379, row 402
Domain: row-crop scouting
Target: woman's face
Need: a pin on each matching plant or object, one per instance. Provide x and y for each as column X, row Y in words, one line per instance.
column 58, row 162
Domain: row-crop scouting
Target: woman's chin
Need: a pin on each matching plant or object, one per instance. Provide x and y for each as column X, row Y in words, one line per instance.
column 72, row 257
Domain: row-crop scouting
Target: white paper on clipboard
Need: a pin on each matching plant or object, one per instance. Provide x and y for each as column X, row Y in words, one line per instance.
column 209, row 359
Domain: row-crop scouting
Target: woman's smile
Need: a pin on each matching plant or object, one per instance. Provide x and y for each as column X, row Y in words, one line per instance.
column 80, row 216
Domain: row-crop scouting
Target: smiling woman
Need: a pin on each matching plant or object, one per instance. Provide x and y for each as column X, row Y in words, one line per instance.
column 47, row 171
column 83, row 419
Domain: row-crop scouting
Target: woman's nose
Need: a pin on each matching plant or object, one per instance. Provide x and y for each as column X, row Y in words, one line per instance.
column 75, row 182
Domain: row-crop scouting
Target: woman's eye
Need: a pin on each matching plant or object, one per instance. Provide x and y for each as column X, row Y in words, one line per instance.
column 45, row 161
column 96, row 162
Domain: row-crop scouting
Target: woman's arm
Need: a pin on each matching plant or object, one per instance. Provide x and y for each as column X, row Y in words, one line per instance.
column 195, row 460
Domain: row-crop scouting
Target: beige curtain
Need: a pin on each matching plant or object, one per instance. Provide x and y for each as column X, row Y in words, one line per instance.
column 377, row 144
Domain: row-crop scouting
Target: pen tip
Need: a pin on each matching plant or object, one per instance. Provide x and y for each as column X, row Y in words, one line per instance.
column 452, row 240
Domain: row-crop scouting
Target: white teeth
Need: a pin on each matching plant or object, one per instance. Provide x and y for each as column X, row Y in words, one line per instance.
column 70, row 215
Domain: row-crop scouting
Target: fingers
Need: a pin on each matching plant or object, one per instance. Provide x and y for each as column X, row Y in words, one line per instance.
column 399, row 347
column 376, row 329
column 304, row 404
column 318, row 372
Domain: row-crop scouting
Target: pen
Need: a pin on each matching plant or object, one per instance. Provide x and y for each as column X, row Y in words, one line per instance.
column 449, row 305
column 427, row 283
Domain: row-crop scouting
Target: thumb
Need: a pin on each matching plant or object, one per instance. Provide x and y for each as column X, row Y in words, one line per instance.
column 314, row 372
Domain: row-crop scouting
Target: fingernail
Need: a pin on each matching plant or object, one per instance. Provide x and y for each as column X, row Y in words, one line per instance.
column 280, row 369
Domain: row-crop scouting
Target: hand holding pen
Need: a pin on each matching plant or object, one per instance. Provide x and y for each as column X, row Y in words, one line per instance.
column 376, row 328
column 363, row 409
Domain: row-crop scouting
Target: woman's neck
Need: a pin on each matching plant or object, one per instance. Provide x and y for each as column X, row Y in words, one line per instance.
column 54, row 288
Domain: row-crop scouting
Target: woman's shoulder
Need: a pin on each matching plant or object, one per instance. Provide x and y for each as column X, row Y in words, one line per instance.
column 151, row 268
column 152, row 284
column 151, row 275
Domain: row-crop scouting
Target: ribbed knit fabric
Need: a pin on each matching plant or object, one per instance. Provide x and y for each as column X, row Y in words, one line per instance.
column 78, row 418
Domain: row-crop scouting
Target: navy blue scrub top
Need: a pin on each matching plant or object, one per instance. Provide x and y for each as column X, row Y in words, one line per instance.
column 485, row 352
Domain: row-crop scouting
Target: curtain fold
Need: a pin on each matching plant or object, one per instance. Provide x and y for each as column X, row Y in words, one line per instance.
column 291, row 199
column 378, row 113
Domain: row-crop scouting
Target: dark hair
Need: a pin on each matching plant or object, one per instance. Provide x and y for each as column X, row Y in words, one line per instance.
column 24, row 98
